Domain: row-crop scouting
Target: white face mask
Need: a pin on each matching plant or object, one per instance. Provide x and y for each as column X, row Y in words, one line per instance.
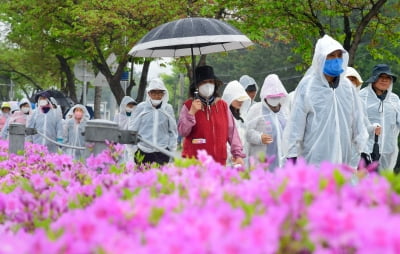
column 274, row 101
column 128, row 109
column 155, row 102
column 25, row 110
column 206, row 90
column 43, row 103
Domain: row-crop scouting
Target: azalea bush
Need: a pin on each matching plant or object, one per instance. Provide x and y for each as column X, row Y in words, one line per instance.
column 52, row 204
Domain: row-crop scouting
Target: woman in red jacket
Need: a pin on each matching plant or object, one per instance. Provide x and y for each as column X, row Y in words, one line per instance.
column 206, row 122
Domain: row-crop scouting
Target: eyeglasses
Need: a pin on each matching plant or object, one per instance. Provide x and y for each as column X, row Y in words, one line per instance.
column 157, row 92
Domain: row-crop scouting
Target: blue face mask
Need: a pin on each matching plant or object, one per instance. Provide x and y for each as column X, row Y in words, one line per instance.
column 333, row 67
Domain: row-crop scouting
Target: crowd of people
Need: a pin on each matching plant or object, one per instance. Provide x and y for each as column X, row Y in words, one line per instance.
column 327, row 118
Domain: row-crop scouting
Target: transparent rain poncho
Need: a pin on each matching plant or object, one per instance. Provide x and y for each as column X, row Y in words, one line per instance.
column 72, row 132
column 386, row 113
column 325, row 122
column 49, row 124
column 155, row 125
column 246, row 81
column 235, row 91
column 262, row 120
column 121, row 118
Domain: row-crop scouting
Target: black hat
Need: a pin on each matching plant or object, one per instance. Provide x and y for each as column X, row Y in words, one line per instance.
column 378, row 70
column 205, row 72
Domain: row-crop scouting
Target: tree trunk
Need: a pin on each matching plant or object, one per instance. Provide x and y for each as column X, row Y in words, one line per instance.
column 374, row 11
column 70, row 83
column 97, row 102
column 143, row 81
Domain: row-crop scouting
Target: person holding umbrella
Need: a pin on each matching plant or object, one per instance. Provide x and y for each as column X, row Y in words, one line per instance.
column 383, row 110
column 206, row 122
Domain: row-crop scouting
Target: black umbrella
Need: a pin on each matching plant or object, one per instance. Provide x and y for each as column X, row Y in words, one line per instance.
column 190, row 37
column 375, row 155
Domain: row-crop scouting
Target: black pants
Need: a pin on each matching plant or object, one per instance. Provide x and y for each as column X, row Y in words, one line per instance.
column 156, row 157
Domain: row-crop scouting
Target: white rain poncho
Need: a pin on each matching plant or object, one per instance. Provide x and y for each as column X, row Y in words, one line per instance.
column 386, row 113
column 262, row 120
column 17, row 117
column 49, row 124
column 155, row 124
column 246, row 81
column 351, row 72
column 325, row 122
column 73, row 133
column 235, row 91
column 122, row 119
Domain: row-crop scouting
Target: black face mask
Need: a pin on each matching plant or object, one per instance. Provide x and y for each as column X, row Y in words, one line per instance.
column 46, row 109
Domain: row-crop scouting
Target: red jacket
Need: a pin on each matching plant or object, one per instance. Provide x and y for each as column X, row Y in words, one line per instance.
column 209, row 133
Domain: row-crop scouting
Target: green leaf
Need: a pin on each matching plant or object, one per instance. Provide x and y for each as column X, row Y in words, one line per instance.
column 3, row 172
column 155, row 215
column 339, row 178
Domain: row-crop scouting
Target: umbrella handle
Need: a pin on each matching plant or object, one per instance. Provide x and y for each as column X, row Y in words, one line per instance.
column 376, row 138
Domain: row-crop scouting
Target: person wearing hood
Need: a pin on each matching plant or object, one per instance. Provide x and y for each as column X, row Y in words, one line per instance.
column 122, row 118
column 19, row 115
column 206, row 122
column 354, row 77
column 235, row 96
column 74, row 129
column 325, row 122
column 382, row 108
column 47, row 121
column 154, row 121
column 5, row 113
column 357, row 81
column 56, row 106
column 251, row 88
column 266, row 121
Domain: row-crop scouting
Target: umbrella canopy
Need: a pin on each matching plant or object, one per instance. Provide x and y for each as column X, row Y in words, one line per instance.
column 190, row 36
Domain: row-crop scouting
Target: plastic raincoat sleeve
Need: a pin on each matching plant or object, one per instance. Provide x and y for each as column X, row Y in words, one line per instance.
column 173, row 130
column 60, row 127
column 295, row 129
column 252, row 135
column 4, row 131
column 135, row 122
column 234, row 138
column 186, row 122
column 65, row 132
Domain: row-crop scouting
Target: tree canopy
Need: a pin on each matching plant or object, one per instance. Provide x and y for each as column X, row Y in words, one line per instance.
column 47, row 38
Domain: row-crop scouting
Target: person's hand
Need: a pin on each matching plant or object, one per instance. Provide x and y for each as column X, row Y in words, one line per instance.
column 378, row 130
column 196, row 106
column 238, row 160
column 266, row 139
